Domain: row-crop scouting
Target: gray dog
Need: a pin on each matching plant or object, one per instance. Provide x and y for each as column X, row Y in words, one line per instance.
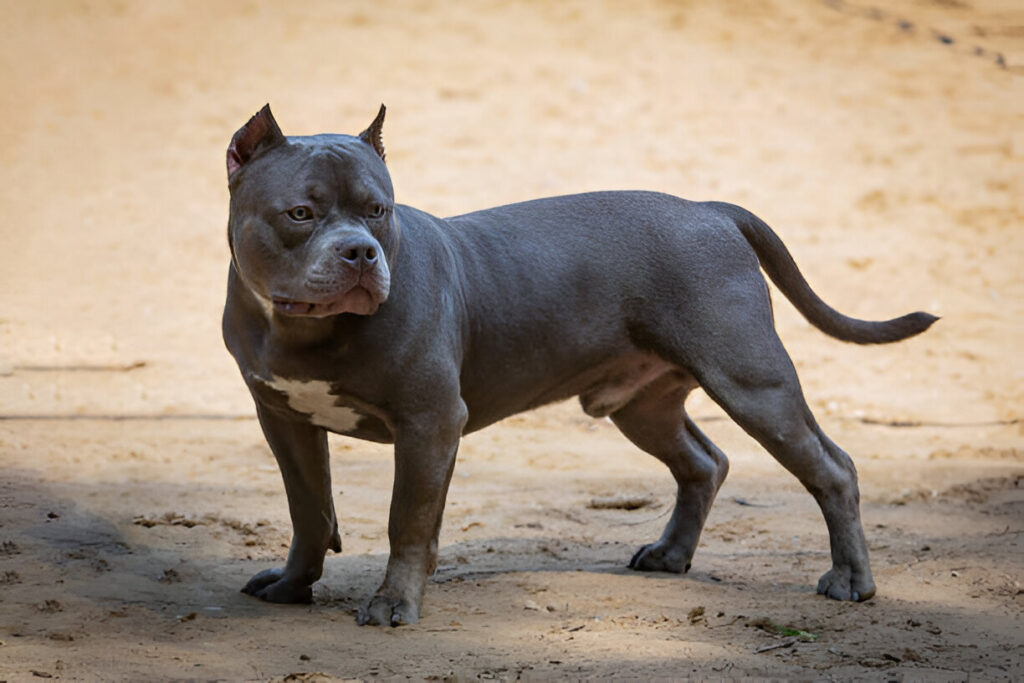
column 349, row 313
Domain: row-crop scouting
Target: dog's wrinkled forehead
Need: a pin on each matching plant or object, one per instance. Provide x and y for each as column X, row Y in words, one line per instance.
column 341, row 165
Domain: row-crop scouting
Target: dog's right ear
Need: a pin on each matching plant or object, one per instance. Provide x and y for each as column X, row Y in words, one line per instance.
column 260, row 133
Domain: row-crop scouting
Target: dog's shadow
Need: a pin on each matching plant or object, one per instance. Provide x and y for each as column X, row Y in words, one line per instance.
column 349, row 579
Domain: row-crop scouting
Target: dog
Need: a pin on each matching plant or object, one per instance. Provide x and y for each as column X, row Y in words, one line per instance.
column 349, row 313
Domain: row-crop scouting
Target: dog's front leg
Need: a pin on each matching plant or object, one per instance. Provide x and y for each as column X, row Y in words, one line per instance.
column 302, row 455
column 425, row 451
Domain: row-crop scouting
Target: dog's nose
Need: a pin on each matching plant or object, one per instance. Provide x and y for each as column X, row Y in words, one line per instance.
column 357, row 253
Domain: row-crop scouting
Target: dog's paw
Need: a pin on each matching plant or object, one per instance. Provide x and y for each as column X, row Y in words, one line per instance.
column 659, row 557
column 270, row 585
column 845, row 584
column 383, row 610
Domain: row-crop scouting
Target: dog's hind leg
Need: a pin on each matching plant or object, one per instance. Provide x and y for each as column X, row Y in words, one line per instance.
column 729, row 345
column 770, row 407
column 656, row 421
column 752, row 377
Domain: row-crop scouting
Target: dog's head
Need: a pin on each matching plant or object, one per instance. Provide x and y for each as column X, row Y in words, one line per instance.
column 312, row 228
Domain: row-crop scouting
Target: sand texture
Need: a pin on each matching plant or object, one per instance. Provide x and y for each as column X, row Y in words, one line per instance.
column 137, row 494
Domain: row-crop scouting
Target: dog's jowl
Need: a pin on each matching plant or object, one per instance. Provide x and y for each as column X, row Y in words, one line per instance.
column 350, row 313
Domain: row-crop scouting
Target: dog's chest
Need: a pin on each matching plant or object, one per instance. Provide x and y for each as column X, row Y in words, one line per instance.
column 314, row 398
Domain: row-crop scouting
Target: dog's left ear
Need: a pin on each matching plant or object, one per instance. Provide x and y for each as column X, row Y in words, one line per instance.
column 260, row 133
column 372, row 135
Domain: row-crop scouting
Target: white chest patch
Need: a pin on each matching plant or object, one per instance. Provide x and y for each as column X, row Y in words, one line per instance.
column 314, row 398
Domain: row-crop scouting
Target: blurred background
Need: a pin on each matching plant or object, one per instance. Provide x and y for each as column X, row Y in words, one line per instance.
column 884, row 145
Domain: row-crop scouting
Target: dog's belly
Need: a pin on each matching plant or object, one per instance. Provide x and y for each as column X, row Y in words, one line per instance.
column 602, row 388
column 620, row 382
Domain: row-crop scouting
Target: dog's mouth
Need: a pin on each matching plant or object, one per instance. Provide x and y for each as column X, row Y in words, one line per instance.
column 357, row 300
column 295, row 308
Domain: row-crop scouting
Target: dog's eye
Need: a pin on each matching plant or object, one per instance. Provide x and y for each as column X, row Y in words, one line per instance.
column 376, row 211
column 300, row 213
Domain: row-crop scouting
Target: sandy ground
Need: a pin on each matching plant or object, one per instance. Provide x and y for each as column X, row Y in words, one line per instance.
column 137, row 495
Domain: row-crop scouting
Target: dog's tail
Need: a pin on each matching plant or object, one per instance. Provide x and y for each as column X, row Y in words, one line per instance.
column 783, row 271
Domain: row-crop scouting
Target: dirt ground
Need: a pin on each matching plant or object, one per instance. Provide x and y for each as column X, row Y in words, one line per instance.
column 137, row 495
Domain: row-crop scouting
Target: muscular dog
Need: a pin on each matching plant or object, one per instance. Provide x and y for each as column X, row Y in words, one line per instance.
column 347, row 312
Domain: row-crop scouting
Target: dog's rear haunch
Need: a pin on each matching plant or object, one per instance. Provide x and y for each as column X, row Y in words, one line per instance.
column 349, row 313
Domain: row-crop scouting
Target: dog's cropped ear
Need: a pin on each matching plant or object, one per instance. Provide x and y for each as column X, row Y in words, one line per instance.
column 372, row 135
column 260, row 133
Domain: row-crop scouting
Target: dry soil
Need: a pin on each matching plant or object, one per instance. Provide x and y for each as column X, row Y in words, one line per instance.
column 137, row 495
